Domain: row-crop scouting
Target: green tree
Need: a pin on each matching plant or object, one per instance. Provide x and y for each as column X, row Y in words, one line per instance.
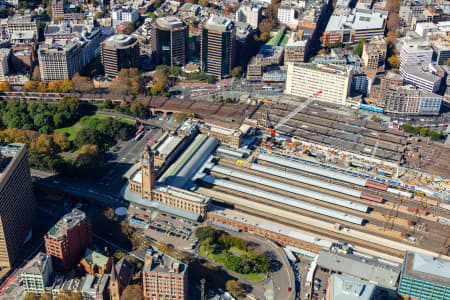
column 237, row 71
column 235, row 288
column 132, row 292
column 46, row 296
column 203, row 233
column 359, row 48
column 30, row 296
column 394, row 61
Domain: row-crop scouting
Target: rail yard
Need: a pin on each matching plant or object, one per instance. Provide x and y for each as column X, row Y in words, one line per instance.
column 371, row 209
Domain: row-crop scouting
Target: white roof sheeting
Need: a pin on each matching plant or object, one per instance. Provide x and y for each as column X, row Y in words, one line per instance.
column 291, row 188
column 284, row 200
column 312, row 169
column 307, row 180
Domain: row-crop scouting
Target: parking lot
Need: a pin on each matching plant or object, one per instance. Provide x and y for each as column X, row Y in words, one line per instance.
column 320, row 284
column 162, row 227
column 300, row 271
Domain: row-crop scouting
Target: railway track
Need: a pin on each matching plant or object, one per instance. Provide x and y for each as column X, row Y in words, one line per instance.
column 305, row 226
column 381, row 217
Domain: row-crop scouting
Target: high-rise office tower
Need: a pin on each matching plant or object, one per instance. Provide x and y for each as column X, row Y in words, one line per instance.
column 17, row 205
column 170, row 41
column 217, row 46
column 119, row 51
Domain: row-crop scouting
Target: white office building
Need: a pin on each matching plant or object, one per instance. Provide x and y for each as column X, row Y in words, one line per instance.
column 422, row 76
column 123, row 14
column 286, row 14
column 306, row 80
column 414, row 53
column 249, row 13
column 37, row 274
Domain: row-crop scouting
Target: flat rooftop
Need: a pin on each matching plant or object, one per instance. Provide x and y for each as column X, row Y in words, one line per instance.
column 7, row 153
column 163, row 263
column 219, row 129
column 68, row 221
column 348, row 288
column 181, row 193
column 37, row 264
column 357, row 19
column 383, row 273
column 169, row 22
column 216, row 23
column 427, row 268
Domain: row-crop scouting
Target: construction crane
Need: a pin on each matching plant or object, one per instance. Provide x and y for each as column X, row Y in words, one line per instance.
column 297, row 110
column 445, row 246
column 376, row 146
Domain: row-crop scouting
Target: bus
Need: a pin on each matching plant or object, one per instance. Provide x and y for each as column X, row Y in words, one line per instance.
column 139, row 136
column 139, row 130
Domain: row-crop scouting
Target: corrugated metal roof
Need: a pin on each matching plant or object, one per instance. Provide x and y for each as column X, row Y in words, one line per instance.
column 284, row 200
column 311, row 169
column 291, row 188
column 307, row 180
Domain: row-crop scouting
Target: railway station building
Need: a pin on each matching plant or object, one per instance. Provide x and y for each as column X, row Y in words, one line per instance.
column 144, row 189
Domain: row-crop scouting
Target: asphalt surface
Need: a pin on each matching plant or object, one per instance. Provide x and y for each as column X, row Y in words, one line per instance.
column 232, row 89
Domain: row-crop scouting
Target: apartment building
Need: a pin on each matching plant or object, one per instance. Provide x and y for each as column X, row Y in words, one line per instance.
column 295, row 50
column 410, row 101
column 5, row 54
column 120, row 15
column 37, row 274
column 169, row 41
column 65, row 11
column 352, row 26
column 118, row 52
column 441, row 50
column 164, row 277
column 18, row 24
column 217, row 46
column 17, row 205
column 59, row 61
column 286, row 14
column 68, row 239
column 374, row 55
column 63, row 57
column 250, row 13
column 306, row 80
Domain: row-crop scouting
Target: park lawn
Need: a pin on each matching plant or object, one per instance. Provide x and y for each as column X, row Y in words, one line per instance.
column 255, row 277
column 100, row 116
column 71, row 131
column 220, row 259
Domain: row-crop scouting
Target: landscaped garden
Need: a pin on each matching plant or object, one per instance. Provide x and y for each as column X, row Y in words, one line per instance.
column 233, row 253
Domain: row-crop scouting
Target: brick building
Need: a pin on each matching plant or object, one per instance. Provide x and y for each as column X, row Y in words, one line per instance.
column 95, row 263
column 226, row 136
column 164, row 277
column 277, row 233
column 68, row 239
